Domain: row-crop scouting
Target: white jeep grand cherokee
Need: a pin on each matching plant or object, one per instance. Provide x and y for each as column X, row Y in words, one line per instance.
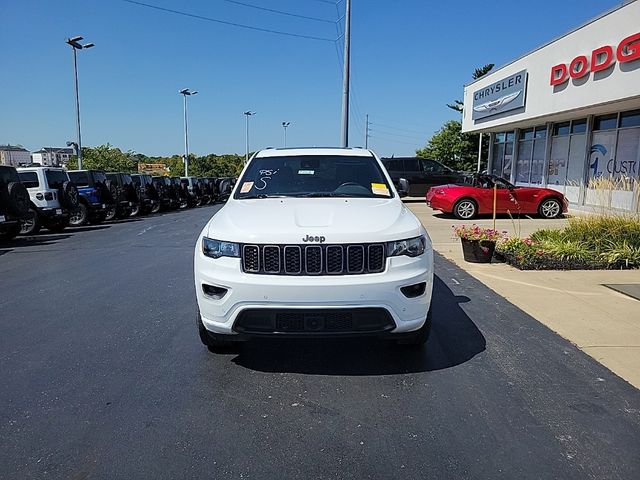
column 313, row 243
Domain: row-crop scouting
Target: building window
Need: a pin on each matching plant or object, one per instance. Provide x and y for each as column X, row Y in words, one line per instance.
column 568, row 144
column 502, row 154
column 615, row 152
column 605, row 122
column 531, row 153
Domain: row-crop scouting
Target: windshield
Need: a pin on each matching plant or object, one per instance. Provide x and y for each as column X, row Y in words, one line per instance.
column 314, row 176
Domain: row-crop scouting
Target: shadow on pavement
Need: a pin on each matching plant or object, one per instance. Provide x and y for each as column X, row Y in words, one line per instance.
column 30, row 241
column 500, row 216
column 88, row 228
column 454, row 340
column 3, row 251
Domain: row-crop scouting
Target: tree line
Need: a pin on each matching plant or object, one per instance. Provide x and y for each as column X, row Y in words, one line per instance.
column 112, row 159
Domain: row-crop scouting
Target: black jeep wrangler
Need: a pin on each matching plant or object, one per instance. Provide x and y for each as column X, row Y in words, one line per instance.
column 126, row 200
column 147, row 193
column 14, row 203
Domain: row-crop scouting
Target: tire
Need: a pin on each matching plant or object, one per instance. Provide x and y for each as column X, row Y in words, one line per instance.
column 135, row 210
column 79, row 216
column 10, row 233
column 110, row 214
column 31, row 224
column 18, row 201
column 57, row 227
column 155, row 208
column 550, row 208
column 214, row 342
column 70, row 195
column 465, row 209
column 420, row 336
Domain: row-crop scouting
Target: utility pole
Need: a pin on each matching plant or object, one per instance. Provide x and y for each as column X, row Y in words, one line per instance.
column 345, row 76
column 186, row 93
column 75, row 44
column 248, row 113
column 366, row 132
column 285, row 125
column 480, row 152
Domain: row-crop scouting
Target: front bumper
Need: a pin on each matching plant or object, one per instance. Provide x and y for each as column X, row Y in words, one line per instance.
column 250, row 292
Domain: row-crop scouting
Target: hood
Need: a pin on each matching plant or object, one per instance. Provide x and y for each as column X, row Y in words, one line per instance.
column 290, row 220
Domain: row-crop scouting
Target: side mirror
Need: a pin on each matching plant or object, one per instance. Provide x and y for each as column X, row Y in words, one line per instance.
column 403, row 187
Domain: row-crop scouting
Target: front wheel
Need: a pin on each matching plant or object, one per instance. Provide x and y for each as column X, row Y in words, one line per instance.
column 135, row 210
column 550, row 208
column 465, row 209
column 155, row 208
column 110, row 214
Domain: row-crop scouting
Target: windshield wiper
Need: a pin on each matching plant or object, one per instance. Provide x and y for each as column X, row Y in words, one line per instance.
column 328, row 194
column 262, row 195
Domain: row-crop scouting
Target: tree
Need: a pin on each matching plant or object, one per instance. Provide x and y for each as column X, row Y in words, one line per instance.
column 457, row 105
column 107, row 158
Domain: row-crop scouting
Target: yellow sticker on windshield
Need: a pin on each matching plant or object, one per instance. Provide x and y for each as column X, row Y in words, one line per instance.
column 379, row 189
column 246, row 186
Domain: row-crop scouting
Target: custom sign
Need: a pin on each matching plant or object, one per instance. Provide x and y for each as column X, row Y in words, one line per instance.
column 600, row 59
column 502, row 96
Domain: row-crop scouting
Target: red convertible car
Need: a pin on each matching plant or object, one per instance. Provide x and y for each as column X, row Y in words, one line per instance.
column 466, row 201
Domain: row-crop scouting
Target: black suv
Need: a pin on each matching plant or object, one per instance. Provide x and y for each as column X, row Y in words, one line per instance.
column 127, row 202
column 421, row 173
column 166, row 193
column 147, row 193
column 14, row 203
column 97, row 195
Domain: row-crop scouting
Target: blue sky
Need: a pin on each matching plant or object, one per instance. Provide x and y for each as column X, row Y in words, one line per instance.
column 410, row 58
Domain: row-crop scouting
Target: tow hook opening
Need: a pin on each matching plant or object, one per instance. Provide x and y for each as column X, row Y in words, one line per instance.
column 412, row 291
column 214, row 292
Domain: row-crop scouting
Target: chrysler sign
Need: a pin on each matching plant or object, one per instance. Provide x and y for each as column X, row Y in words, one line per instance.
column 502, row 96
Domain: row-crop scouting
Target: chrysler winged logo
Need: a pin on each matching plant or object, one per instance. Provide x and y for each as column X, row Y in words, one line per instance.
column 311, row 238
column 498, row 103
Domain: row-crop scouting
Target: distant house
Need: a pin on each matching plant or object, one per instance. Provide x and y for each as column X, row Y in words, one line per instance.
column 14, row 155
column 52, row 156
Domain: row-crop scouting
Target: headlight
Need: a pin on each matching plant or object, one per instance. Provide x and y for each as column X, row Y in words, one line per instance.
column 411, row 247
column 216, row 248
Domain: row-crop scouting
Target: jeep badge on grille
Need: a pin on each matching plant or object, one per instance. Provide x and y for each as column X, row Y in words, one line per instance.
column 311, row 238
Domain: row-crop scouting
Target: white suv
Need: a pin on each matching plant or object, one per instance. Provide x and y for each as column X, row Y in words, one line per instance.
column 53, row 198
column 313, row 243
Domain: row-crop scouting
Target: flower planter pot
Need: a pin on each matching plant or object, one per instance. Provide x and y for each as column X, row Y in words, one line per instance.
column 478, row 251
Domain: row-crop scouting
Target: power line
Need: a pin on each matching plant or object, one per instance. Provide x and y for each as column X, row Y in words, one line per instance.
column 240, row 25
column 394, row 134
column 280, row 12
column 396, row 128
column 327, row 1
column 392, row 140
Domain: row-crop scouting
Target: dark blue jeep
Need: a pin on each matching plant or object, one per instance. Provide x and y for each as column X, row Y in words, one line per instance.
column 96, row 196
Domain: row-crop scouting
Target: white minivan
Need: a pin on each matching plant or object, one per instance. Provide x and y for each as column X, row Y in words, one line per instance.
column 313, row 242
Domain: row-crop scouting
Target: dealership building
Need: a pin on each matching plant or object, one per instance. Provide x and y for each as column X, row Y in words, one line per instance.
column 567, row 115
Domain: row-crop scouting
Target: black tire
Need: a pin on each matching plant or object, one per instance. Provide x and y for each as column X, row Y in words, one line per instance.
column 155, row 208
column 214, row 342
column 550, row 208
column 79, row 216
column 10, row 233
column 58, row 226
column 465, row 209
column 135, row 210
column 31, row 224
column 420, row 336
column 110, row 214
column 70, row 195
column 18, row 201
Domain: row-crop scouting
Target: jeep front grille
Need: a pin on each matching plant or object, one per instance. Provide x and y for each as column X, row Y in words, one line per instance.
column 351, row 259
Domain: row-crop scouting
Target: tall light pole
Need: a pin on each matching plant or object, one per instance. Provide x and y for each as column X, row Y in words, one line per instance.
column 185, row 92
column 247, row 114
column 76, row 45
column 285, row 125
column 345, row 76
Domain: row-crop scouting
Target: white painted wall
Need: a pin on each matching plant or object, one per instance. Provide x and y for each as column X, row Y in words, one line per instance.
column 617, row 88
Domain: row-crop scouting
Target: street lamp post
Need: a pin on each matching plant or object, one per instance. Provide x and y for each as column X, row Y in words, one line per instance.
column 247, row 114
column 185, row 92
column 284, row 127
column 75, row 44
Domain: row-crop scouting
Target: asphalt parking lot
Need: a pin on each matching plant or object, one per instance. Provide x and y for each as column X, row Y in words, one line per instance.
column 103, row 376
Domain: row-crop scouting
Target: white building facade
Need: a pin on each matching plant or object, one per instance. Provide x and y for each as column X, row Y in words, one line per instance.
column 14, row 155
column 567, row 115
column 52, row 157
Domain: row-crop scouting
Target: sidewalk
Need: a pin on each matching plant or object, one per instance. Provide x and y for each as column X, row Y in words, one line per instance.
column 601, row 322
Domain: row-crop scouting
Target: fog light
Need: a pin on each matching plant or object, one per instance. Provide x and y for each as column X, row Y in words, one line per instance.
column 213, row 291
column 413, row 291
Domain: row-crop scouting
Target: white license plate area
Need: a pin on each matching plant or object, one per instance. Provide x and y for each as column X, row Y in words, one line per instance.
column 58, row 211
